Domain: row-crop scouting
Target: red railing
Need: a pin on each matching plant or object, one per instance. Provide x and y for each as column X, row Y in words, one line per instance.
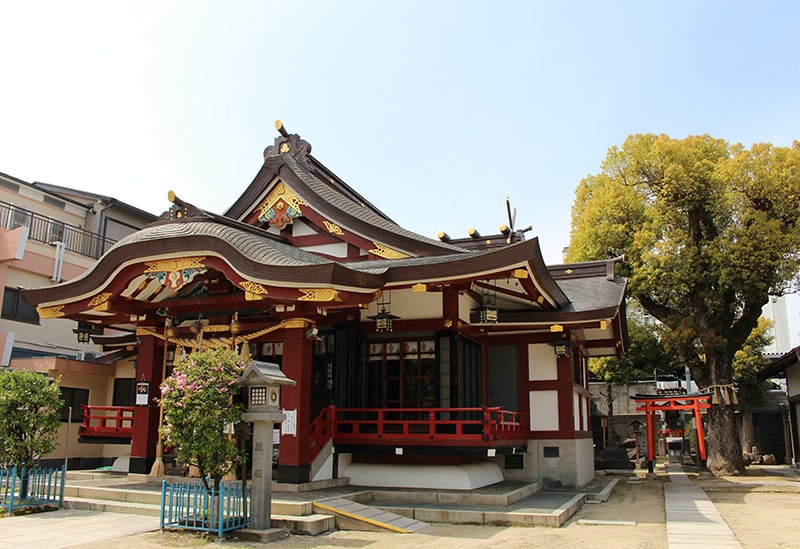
column 479, row 426
column 321, row 430
column 107, row 421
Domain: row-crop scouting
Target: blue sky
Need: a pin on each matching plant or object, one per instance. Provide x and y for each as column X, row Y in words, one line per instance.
column 434, row 111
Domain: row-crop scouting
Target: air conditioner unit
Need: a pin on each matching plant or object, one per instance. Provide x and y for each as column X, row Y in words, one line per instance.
column 86, row 356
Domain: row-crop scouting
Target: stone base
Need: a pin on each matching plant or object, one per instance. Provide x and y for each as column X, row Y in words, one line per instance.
column 262, row 536
column 446, row 477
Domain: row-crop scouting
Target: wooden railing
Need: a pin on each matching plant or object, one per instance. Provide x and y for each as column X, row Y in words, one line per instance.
column 321, row 430
column 478, row 426
column 107, row 421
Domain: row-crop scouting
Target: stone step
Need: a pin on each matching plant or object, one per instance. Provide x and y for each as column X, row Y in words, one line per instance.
column 109, row 506
column 142, row 497
column 311, row 525
column 106, row 493
column 490, row 516
column 137, row 494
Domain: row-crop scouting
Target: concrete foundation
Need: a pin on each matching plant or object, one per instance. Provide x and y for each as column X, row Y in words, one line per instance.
column 569, row 462
column 449, row 477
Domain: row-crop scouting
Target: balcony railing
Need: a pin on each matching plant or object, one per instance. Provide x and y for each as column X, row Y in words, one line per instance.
column 49, row 231
column 478, row 426
column 107, row 422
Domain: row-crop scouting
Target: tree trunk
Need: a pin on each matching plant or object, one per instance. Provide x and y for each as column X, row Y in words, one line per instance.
column 610, row 396
column 724, row 446
column 24, row 482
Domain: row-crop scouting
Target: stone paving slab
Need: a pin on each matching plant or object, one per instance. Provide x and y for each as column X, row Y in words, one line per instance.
column 692, row 519
column 69, row 527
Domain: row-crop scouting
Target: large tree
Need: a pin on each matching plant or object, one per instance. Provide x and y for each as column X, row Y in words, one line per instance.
column 710, row 231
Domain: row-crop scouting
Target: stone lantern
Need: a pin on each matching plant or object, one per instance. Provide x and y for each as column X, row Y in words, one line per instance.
column 261, row 384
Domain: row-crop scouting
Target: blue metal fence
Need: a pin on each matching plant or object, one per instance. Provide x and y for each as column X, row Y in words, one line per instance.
column 190, row 506
column 34, row 487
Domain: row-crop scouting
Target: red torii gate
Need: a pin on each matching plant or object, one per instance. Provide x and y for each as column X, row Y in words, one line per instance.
column 656, row 403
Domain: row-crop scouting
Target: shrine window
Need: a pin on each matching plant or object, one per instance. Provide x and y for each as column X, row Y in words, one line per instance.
column 402, row 374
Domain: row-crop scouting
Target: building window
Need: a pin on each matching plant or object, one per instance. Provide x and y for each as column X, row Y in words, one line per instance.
column 13, row 187
column 74, row 398
column 550, row 451
column 60, row 204
column 14, row 308
column 124, row 392
column 402, row 374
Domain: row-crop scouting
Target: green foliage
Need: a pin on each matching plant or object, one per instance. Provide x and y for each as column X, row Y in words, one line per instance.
column 645, row 353
column 746, row 364
column 710, row 231
column 200, row 407
column 30, row 415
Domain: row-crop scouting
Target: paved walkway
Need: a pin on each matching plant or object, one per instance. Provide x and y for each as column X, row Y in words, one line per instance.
column 692, row 520
column 68, row 527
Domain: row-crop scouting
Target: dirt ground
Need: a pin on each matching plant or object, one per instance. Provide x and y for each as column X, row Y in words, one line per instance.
column 761, row 510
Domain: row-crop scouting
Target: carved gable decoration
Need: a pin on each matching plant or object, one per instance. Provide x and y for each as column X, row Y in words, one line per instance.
column 387, row 253
column 289, row 144
column 280, row 206
column 175, row 273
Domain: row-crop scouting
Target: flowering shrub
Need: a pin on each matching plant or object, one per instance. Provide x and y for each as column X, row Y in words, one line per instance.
column 200, row 406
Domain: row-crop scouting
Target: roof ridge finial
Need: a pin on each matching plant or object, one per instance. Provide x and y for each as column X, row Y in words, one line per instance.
column 288, row 143
column 279, row 126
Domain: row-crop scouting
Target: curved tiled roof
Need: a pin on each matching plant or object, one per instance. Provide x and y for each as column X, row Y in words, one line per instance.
column 359, row 218
column 264, row 258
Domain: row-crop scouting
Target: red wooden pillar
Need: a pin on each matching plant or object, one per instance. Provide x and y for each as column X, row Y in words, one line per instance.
column 701, row 440
column 149, row 368
column 651, row 437
column 294, row 462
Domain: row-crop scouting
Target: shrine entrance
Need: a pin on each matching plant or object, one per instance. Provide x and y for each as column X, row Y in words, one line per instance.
column 650, row 404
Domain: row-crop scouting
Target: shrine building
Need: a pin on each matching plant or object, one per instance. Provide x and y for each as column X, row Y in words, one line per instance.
column 452, row 363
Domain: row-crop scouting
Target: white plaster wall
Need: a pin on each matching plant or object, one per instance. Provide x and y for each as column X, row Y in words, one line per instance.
column 541, row 363
column 793, row 380
column 408, row 305
column 543, row 410
column 300, row 228
column 576, row 411
column 335, row 250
